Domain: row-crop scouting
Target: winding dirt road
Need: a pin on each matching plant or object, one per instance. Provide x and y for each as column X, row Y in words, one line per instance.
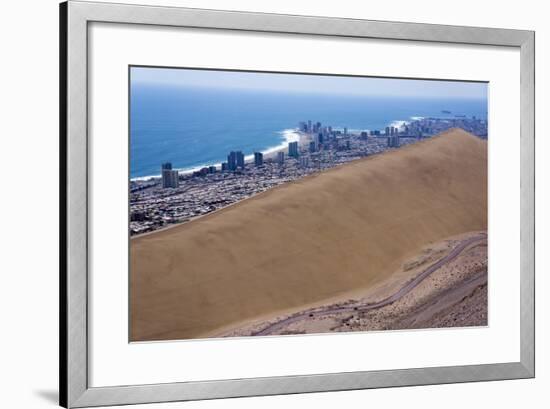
column 455, row 252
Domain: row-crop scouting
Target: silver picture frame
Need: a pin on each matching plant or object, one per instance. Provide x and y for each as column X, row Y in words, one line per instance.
column 75, row 17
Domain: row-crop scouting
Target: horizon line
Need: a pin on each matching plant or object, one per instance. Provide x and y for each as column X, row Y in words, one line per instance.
column 164, row 84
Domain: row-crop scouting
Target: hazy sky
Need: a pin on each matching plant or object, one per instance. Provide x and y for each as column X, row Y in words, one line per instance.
column 308, row 83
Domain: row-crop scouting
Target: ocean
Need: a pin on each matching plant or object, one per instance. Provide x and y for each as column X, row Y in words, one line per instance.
column 195, row 127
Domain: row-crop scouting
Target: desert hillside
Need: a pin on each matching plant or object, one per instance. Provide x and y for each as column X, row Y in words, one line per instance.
column 306, row 241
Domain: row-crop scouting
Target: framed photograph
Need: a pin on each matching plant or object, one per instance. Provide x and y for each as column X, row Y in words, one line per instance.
column 259, row 204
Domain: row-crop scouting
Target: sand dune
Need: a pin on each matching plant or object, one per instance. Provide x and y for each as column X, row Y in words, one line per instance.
column 306, row 241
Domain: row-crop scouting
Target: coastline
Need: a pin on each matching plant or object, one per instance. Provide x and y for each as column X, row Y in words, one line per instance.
column 259, row 194
column 211, row 188
column 290, row 135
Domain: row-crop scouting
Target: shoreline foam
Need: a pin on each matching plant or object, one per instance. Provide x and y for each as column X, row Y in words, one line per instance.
column 289, row 135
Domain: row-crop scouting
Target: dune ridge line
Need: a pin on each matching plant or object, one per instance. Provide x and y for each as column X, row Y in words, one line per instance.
column 306, row 241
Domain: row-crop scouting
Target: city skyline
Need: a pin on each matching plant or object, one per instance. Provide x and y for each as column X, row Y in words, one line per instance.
column 320, row 147
column 308, row 83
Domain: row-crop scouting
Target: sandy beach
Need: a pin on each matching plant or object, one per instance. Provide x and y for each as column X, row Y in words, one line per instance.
column 303, row 141
column 306, row 243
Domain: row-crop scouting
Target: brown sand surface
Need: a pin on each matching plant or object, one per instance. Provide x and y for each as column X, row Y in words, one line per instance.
column 446, row 297
column 306, row 241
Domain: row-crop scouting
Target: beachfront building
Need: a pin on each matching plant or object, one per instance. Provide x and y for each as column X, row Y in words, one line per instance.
column 293, row 149
column 235, row 160
column 258, row 159
column 304, row 161
column 232, row 160
column 240, row 159
column 170, row 177
column 280, row 158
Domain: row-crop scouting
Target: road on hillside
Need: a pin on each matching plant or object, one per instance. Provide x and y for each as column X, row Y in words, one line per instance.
column 455, row 252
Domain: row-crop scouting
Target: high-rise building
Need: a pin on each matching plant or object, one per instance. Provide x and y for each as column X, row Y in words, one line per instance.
column 240, row 159
column 280, row 158
column 235, row 159
column 312, row 147
column 345, row 131
column 170, row 177
column 304, row 162
column 317, row 141
column 309, row 125
column 232, row 161
column 393, row 141
column 258, row 158
column 225, row 167
column 293, row 149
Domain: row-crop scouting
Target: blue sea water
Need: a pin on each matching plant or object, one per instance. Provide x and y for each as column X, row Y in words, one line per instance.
column 193, row 127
